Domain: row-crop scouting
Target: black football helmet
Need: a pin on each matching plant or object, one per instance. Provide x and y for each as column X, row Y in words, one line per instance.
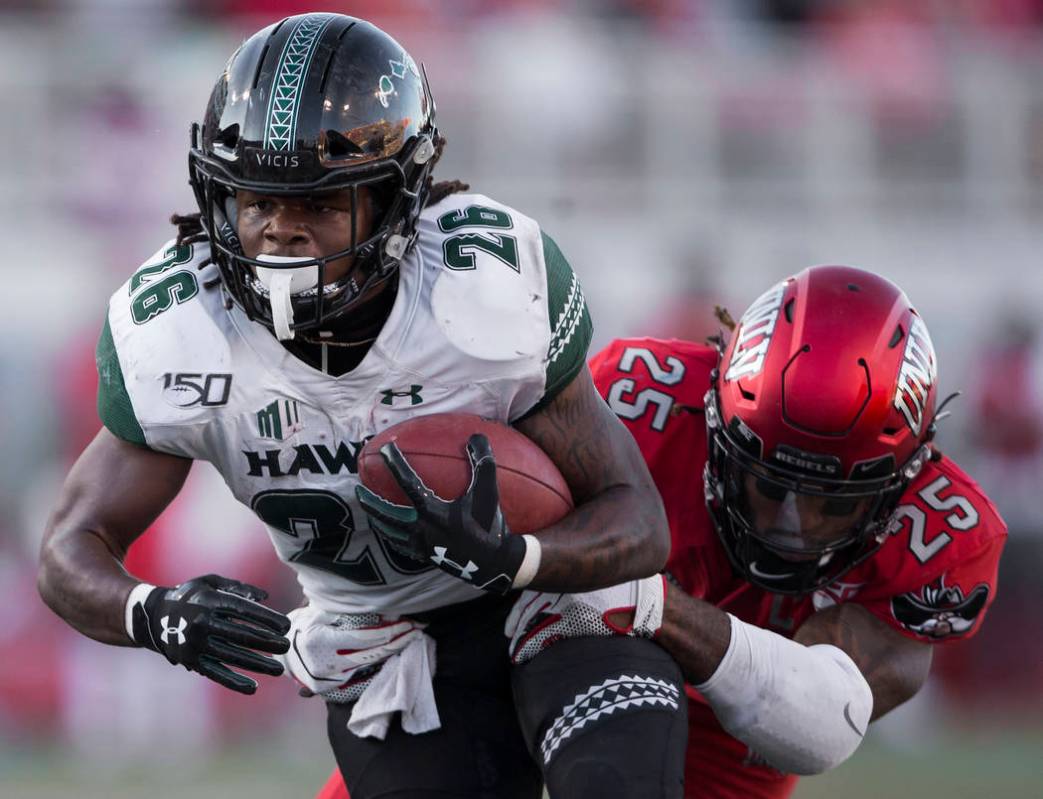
column 315, row 103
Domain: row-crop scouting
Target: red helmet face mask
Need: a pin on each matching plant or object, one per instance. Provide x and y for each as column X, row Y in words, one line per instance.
column 820, row 415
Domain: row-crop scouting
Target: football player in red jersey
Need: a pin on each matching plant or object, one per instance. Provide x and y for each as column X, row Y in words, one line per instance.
column 821, row 543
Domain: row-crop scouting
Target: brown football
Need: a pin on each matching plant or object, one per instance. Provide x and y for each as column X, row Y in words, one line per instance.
column 533, row 494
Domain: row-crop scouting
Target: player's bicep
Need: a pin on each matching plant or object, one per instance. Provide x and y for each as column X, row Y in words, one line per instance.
column 894, row 665
column 115, row 490
column 618, row 530
column 589, row 445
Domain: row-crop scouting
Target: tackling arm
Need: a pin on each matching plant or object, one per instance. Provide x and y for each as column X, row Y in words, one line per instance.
column 895, row 666
column 113, row 493
column 618, row 530
column 803, row 705
column 695, row 632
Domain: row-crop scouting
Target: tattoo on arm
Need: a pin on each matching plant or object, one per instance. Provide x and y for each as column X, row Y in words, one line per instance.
column 618, row 530
column 895, row 666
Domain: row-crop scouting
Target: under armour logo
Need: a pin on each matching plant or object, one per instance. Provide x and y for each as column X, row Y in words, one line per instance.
column 389, row 395
column 168, row 631
column 465, row 571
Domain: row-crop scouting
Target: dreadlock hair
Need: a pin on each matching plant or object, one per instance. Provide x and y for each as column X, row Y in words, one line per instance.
column 190, row 231
column 436, row 192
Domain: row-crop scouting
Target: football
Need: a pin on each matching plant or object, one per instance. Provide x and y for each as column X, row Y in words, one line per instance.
column 533, row 493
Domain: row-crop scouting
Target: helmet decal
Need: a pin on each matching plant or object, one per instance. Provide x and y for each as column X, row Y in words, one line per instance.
column 386, row 86
column 293, row 66
column 918, row 374
column 754, row 334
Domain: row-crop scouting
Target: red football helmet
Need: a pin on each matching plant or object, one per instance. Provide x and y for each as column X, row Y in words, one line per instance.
column 821, row 413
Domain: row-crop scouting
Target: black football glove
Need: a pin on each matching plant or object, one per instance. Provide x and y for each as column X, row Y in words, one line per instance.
column 468, row 537
column 210, row 623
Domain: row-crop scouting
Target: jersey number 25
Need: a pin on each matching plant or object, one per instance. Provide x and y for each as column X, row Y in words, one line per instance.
column 629, row 405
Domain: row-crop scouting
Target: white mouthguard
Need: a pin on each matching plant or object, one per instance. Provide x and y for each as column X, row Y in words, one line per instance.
column 282, row 283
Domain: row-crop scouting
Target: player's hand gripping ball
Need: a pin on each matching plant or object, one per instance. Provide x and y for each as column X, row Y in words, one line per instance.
column 451, row 488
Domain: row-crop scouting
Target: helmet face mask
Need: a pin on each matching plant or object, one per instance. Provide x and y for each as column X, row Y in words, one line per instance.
column 789, row 531
column 314, row 306
column 811, row 442
column 314, row 104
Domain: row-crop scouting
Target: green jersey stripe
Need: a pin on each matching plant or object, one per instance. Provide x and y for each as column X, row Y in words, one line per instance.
column 114, row 406
column 570, row 326
column 568, row 321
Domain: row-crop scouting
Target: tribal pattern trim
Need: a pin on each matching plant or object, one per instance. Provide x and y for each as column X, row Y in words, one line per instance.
column 615, row 694
column 289, row 79
column 568, row 320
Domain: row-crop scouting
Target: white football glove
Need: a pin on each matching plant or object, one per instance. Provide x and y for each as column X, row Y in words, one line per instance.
column 539, row 619
column 335, row 655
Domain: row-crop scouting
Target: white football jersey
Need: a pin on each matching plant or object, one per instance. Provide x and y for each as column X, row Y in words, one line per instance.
column 488, row 319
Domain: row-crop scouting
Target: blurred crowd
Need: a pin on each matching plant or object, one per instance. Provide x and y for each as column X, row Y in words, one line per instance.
column 683, row 152
column 988, row 13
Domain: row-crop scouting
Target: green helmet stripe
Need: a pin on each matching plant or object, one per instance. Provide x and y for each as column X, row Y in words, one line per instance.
column 283, row 106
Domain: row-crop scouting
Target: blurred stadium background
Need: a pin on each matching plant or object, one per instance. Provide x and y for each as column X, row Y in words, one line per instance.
column 683, row 153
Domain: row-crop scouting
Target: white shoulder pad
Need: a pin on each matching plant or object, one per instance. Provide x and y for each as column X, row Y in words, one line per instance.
column 498, row 302
column 164, row 357
column 490, row 298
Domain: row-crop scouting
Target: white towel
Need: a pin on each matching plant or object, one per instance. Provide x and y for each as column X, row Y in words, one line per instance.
column 403, row 684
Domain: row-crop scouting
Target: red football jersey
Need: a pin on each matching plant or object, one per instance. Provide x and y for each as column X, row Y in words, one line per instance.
column 932, row 579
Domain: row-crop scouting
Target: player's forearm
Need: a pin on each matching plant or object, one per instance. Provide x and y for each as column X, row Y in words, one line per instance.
column 84, row 582
column 895, row 667
column 695, row 632
column 618, row 531
column 112, row 494
column 619, row 535
column 804, row 709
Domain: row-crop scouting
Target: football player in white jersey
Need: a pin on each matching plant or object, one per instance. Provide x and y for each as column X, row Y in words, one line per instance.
column 325, row 291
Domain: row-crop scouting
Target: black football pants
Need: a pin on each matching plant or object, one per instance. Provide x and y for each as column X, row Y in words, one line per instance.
column 597, row 718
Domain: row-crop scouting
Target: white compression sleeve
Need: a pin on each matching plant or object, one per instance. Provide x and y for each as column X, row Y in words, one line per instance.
column 804, row 709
